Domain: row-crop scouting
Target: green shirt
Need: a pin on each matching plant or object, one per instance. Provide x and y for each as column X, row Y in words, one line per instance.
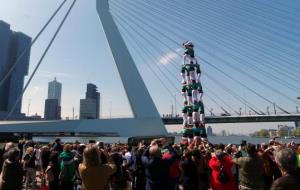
column 197, row 67
column 201, row 107
column 189, row 67
column 184, row 88
column 184, row 109
column 196, row 107
column 199, row 130
column 187, row 131
column 187, row 109
column 189, row 88
column 196, row 86
column 189, row 51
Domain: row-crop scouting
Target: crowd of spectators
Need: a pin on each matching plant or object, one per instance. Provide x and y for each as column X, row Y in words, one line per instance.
column 158, row 166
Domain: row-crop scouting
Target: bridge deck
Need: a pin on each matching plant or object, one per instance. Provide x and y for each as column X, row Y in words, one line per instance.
column 239, row 119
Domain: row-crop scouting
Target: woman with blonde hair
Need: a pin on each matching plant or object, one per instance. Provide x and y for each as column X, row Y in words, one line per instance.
column 94, row 175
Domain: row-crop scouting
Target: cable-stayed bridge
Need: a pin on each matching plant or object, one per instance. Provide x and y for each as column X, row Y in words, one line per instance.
column 251, row 57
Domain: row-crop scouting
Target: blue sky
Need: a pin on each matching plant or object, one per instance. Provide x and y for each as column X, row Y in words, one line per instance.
column 254, row 38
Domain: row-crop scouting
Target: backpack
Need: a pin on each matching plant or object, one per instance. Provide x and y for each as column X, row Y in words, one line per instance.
column 222, row 177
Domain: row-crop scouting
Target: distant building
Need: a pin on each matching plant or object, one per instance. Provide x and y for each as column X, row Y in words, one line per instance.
column 209, row 131
column 88, row 109
column 54, row 90
column 272, row 133
column 52, row 110
column 12, row 45
column 223, row 133
column 92, row 93
column 297, row 124
column 284, row 131
column 34, row 117
column 52, row 103
column 90, row 106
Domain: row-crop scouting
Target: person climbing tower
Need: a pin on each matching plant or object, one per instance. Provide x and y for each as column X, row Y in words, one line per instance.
column 197, row 91
column 189, row 54
column 192, row 92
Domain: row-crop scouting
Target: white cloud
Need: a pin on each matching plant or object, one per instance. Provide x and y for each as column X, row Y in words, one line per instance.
column 168, row 57
column 36, row 89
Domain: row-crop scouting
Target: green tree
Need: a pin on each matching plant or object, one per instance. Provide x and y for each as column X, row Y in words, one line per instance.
column 297, row 132
column 262, row 133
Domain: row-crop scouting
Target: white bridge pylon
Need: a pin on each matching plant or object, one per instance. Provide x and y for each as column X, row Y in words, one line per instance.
column 146, row 121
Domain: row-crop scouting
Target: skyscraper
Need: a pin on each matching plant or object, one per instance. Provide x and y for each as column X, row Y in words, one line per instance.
column 12, row 44
column 52, row 110
column 209, row 131
column 54, row 90
column 53, row 102
column 90, row 106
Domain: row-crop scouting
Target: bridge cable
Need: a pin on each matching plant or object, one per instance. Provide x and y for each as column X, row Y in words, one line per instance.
column 214, row 28
column 255, row 79
column 217, row 69
column 290, row 86
column 137, row 42
column 221, row 10
column 149, row 54
column 170, row 73
column 230, row 24
column 149, row 42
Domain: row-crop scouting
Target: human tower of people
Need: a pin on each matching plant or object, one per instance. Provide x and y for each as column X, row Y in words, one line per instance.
column 193, row 108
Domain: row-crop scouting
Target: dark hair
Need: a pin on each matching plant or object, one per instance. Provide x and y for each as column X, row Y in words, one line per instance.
column 13, row 154
column 197, row 154
column 57, row 140
column 53, row 158
column 243, row 143
column 251, row 149
column 188, row 154
column 81, row 149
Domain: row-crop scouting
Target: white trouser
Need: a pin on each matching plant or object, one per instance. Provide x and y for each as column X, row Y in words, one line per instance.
column 190, row 120
column 185, row 119
column 196, row 117
column 193, row 75
column 195, row 95
column 200, row 96
column 184, row 95
column 198, row 77
column 184, row 77
column 187, row 59
column 202, row 116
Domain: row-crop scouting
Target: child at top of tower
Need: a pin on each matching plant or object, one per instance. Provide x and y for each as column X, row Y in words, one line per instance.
column 189, row 48
column 188, row 55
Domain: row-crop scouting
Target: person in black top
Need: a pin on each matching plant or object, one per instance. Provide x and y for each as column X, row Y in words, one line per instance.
column 12, row 173
column 287, row 162
column 189, row 172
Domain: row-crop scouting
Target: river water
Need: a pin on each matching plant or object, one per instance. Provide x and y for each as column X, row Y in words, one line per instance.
column 212, row 139
column 235, row 128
